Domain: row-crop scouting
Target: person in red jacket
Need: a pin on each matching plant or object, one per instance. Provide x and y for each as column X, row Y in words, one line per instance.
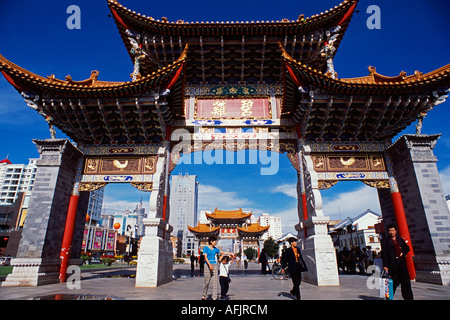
column 393, row 252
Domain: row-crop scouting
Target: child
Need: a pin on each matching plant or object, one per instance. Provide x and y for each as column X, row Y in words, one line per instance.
column 224, row 277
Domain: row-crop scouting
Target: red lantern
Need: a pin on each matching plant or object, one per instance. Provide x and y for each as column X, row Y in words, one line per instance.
column 87, row 217
column 116, row 225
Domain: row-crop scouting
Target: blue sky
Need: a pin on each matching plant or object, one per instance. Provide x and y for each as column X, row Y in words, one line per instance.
column 413, row 36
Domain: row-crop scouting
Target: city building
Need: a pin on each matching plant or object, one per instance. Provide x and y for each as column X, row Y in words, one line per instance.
column 15, row 178
column 131, row 223
column 275, row 230
column 357, row 232
column 184, row 211
column 95, row 205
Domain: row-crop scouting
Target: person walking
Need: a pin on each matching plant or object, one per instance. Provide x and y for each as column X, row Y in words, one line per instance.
column 202, row 263
column 192, row 264
column 393, row 252
column 210, row 253
column 245, row 261
column 292, row 259
column 263, row 261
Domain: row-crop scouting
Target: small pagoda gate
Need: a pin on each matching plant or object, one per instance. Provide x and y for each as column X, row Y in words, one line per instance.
column 232, row 85
column 230, row 224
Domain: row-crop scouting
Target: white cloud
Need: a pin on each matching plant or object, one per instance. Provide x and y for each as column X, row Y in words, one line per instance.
column 344, row 204
column 112, row 205
column 351, row 203
column 445, row 180
column 289, row 217
column 289, row 189
column 211, row 197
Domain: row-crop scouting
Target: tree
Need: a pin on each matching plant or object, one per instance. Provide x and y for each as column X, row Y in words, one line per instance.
column 250, row 253
column 271, row 247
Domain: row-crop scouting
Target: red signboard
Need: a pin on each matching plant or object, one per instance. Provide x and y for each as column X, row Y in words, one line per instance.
column 233, row 109
column 228, row 232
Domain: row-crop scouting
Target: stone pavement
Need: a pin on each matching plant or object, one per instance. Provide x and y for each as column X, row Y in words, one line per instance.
column 246, row 285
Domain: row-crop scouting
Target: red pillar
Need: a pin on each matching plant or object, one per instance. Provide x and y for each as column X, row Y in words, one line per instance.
column 403, row 230
column 68, row 236
column 305, row 213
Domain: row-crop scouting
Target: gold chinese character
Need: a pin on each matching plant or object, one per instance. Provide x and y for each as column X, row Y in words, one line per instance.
column 219, row 108
column 246, row 108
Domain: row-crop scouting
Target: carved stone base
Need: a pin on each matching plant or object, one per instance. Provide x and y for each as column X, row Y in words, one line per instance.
column 431, row 269
column 32, row 272
column 155, row 257
column 319, row 254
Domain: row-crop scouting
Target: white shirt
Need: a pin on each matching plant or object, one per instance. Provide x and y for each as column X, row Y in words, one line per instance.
column 223, row 269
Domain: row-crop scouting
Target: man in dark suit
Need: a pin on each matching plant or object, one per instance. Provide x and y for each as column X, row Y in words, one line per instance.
column 292, row 259
column 393, row 252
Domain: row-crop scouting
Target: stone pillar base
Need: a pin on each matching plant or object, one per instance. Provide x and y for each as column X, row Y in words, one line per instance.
column 32, row 272
column 155, row 257
column 319, row 253
column 431, row 269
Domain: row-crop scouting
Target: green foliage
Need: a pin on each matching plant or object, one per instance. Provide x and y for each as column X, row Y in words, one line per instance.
column 271, row 248
column 251, row 253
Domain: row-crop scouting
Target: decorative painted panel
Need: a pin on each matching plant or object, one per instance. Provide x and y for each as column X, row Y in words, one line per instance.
column 348, row 162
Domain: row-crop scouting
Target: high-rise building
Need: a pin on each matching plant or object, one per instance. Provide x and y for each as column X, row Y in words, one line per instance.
column 275, row 231
column 95, row 205
column 183, row 211
column 15, row 178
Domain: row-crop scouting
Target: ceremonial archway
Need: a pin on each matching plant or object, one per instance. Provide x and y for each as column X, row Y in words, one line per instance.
column 273, row 82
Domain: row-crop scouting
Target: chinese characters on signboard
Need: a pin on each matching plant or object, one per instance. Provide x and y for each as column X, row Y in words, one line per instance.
column 233, row 109
column 228, row 232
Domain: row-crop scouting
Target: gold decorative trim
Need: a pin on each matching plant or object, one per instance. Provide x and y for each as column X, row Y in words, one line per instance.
column 327, row 184
column 379, row 184
column 91, row 186
column 143, row 186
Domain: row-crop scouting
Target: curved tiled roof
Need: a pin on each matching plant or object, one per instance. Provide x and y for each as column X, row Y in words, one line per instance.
column 228, row 214
column 253, row 228
column 24, row 80
column 222, row 49
column 130, row 20
column 374, row 83
column 374, row 107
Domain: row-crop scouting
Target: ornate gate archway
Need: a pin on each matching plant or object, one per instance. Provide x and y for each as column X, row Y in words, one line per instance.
column 213, row 82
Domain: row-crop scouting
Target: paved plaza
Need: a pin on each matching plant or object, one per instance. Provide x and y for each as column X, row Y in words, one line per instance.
column 119, row 284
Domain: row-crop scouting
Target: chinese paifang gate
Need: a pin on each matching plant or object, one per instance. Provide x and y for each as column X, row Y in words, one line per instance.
column 230, row 224
column 233, row 81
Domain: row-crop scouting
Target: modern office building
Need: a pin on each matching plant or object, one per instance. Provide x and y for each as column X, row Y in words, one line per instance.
column 95, row 205
column 15, row 178
column 275, row 231
column 183, row 211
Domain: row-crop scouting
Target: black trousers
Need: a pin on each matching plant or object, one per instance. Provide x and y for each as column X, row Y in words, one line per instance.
column 296, row 277
column 401, row 277
column 224, row 286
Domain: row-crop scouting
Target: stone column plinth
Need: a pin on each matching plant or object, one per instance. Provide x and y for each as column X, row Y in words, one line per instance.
column 426, row 211
column 319, row 253
column 155, row 257
column 318, row 250
column 38, row 254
